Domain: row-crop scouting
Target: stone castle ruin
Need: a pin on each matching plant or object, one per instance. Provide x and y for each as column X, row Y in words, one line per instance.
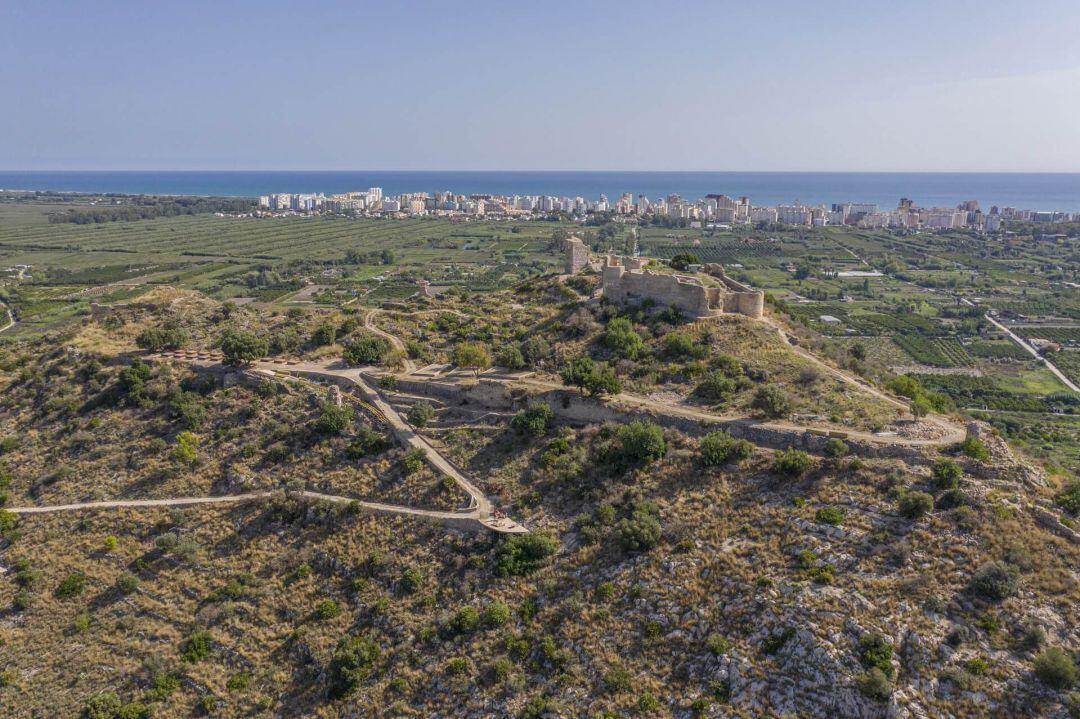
column 625, row 282
column 577, row 255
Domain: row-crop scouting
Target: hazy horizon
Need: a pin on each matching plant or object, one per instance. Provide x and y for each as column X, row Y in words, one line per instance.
column 613, row 86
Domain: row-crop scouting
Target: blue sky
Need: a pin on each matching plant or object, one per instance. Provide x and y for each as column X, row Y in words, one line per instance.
column 872, row 85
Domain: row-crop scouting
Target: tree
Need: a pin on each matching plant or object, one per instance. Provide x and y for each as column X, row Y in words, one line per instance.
column 920, row 407
column 536, row 419
column 579, row 373
column 535, row 350
column 684, row 259
column 185, row 451
column 472, row 355
column 857, row 351
column 603, row 382
column 364, row 350
column 242, row 348
column 771, row 401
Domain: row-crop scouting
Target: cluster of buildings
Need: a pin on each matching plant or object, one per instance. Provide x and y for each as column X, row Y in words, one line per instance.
column 711, row 211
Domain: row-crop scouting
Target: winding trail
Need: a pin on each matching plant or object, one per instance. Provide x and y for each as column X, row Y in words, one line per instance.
column 10, row 317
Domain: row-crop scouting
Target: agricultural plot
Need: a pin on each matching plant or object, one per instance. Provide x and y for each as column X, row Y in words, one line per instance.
column 936, row 352
column 1061, row 335
column 997, row 350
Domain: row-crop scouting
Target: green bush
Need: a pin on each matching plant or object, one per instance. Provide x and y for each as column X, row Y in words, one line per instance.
column 197, row 646
column 510, row 357
column 324, row 334
column 718, row 447
column 946, row 473
column 875, row 651
column 521, row 554
column 126, row 583
column 413, row 460
column 327, row 609
column 334, row 419
column 835, row 448
column 590, row 377
column 8, row 521
column 242, row 348
column 411, row 580
column 1056, row 668
column 873, row 684
column 718, row 645
column 104, row 705
column 914, row 505
column 71, row 586
column 621, row 339
column 1069, row 497
column 771, row 401
column 457, row 666
column 716, row 387
column 680, row 345
column 617, row 680
column 365, row 350
column 367, row 443
column 420, row 414
column 973, row 447
column 353, row 661
column 465, row 620
column 496, row 614
column 994, row 581
column 640, row 442
column 640, row 531
column 160, row 338
column 792, row 462
column 535, row 420
column 830, row 515
column 135, row 710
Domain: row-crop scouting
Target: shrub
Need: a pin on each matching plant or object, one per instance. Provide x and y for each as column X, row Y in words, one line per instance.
column 873, row 684
column 952, row 498
column 327, row 609
column 126, row 583
column 496, row 614
column 771, row 401
column 159, row 338
column 135, row 710
column 640, row 531
column 727, row 365
column 641, row 442
column 522, row 554
column 104, row 705
column 875, row 651
column 353, row 660
column 617, row 679
column 535, row 350
column 718, row 447
column 411, row 580
column 510, row 357
column 186, row 449
column 1056, row 669
column 792, row 462
column 590, row 377
column 648, row 703
column 683, row 260
column 8, row 520
column 973, row 447
column 71, row 586
column 1069, row 497
column 464, row 620
column 364, row 351
column 324, row 334
column 536, row 419
column 413, row 460
column 716, row 387
column 605, row 591
column 621, row 339
column 830, row 515
column 994, row 581
column 238, row 682
column 914, row 505
column 946, row 473
column 835, row 448
column 334, row 419
column 197, row 646
column 718, row 645
column 420, row 414
column 368, row 442
column 242, row 348
column 457, row 666
column 680, row 345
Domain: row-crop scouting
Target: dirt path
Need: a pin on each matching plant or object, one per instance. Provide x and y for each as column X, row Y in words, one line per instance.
column 10, row 314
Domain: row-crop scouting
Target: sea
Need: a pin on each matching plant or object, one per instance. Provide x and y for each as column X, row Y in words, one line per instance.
column 1035, row 191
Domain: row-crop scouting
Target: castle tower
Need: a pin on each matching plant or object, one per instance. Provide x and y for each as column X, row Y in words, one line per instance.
column 577, row 256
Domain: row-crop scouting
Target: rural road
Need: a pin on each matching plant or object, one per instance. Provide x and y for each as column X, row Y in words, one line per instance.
column 1034, row 353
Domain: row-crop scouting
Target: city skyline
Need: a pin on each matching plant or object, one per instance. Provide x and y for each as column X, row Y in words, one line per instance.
column 924, row 87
